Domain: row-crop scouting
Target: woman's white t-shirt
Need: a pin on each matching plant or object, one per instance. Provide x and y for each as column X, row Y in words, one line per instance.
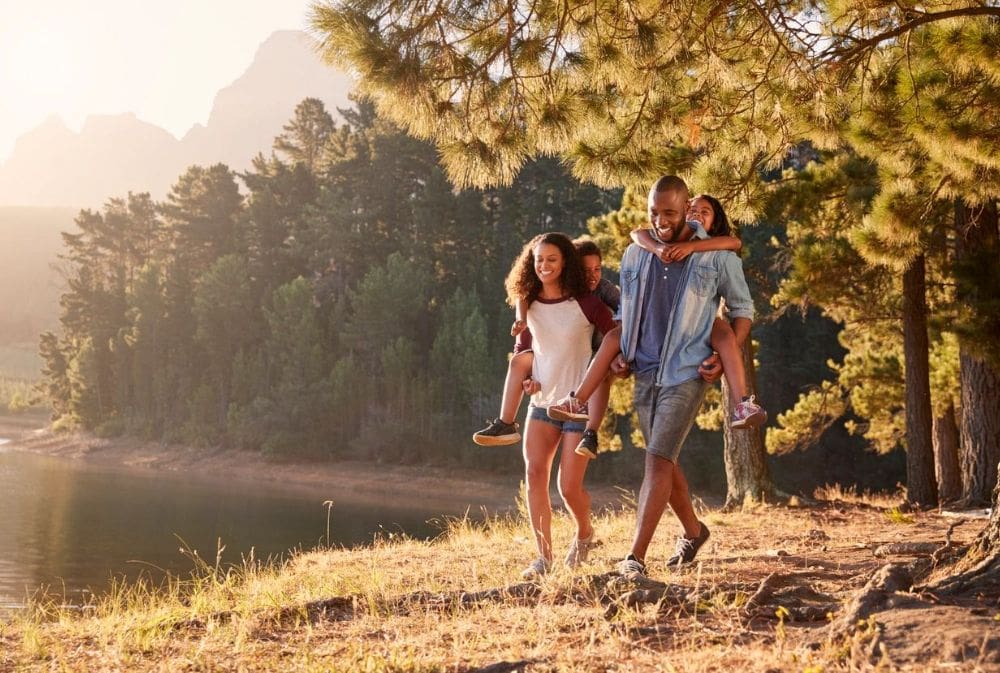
column 559, row 334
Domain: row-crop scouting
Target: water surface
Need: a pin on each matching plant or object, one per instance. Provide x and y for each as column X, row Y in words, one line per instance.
column 73, row 526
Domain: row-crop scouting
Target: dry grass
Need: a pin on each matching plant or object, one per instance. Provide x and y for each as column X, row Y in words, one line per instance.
column 256, row 617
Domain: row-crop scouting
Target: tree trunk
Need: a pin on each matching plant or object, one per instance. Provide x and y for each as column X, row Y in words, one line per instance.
column 980, row 428
column 747, row 473
column 921, row 486
column 977, row 247
column 949, row 475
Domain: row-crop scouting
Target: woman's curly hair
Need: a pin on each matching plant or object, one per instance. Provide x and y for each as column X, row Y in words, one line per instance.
column 523, row 283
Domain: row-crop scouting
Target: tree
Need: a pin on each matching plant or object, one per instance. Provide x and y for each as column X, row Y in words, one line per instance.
column 304, row 139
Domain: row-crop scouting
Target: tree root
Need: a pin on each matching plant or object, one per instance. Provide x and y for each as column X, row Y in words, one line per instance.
column 887, row 580
column 985, row 571
column 774, row 599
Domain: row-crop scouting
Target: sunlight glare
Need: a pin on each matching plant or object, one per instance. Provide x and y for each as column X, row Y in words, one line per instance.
column 40, row 68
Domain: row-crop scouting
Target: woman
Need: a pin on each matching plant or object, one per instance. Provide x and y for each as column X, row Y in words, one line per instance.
column 562, row 314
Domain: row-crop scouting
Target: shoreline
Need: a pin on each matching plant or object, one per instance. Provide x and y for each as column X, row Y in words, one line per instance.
column 452, row 489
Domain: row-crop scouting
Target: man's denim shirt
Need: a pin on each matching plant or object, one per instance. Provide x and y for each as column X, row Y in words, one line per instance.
column 708, row 276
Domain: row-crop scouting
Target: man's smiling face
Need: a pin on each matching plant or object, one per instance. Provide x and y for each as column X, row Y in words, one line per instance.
column 666, row 213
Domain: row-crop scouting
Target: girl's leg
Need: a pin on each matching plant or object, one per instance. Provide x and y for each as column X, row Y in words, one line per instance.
column 600, row 365
column 724, row 343
column 518, row 369
column 540, row 442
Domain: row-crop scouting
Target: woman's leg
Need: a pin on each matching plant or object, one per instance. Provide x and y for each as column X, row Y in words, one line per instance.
column 518, row 369
column 540, row 442
column 572, row 469
column 724, row 343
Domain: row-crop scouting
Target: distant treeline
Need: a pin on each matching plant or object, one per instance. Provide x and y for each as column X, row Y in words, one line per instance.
column 348, row 303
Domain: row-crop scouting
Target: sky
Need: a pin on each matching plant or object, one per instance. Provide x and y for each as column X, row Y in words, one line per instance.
column 164, row 61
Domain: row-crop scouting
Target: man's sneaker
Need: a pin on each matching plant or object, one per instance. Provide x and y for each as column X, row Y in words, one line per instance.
column 579, row 550
column 631, row 567
column 569, row 409
column 497, row 433
column 748, row 414
column 687, row 548
column 536, row 570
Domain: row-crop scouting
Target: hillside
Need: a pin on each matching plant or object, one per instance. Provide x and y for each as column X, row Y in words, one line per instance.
column 30, row 283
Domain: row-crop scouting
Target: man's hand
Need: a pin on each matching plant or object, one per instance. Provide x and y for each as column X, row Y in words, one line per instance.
column 619, row 367
column 531, row 386
column 711, row 368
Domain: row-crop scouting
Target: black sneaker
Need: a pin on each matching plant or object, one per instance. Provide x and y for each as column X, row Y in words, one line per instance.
column 497, row 433
column 631, row 567
column 687, row 548
column 588, row 445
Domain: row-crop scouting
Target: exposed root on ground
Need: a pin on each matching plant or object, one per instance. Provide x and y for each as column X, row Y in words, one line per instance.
column 886, row 581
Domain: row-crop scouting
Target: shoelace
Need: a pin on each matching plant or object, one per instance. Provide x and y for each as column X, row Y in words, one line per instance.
column 683, row 546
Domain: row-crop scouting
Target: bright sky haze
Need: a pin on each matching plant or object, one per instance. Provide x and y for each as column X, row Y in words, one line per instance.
column 164, row 61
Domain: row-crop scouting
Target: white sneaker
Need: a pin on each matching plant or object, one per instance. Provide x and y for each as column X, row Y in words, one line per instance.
column 579, row 550
column 536, row 569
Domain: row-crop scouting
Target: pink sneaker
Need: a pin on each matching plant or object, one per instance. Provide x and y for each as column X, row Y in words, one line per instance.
column 568, row 409
column 748, row 414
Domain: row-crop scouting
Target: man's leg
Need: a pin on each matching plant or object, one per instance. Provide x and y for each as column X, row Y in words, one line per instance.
column 655, row 493
column 666, row 416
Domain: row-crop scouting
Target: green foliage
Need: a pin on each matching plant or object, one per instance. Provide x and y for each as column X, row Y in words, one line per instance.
column 340, row 295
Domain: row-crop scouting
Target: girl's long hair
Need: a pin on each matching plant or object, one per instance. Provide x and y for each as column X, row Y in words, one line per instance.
column 523, row 283
column 720, row 223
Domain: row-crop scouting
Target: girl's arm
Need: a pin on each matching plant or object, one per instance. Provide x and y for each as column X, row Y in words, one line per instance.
column 644, row 239
column 520, row 317
column 678, row 251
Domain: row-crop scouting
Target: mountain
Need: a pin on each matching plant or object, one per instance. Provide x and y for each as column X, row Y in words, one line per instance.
column 30, row 282
column 112, row 155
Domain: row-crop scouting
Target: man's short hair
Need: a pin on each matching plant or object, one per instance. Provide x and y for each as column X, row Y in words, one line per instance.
column 669, row 183
column 586, row 246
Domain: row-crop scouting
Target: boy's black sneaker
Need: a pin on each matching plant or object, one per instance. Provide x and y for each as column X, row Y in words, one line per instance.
column 588, row 445
column 497, row 433
column 687, row 548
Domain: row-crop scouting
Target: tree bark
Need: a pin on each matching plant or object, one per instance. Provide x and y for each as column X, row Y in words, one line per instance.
column 747, row 473
column 980, row 429
column 977, row 247
column 949, row 476
column 921, row 485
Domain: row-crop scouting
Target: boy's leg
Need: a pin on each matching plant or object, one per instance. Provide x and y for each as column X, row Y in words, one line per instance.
column 503, row 430
column 600, row 366
column 596, row 408
column 518, row 369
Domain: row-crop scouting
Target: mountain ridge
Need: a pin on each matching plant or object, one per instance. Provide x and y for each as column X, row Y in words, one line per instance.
column 53, row 166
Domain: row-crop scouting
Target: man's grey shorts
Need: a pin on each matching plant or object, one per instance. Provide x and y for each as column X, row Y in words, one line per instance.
column 667, row 414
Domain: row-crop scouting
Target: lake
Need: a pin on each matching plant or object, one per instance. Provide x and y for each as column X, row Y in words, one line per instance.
column 73, row 526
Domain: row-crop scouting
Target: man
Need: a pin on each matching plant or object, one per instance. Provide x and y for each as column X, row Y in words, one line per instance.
column 667, row 312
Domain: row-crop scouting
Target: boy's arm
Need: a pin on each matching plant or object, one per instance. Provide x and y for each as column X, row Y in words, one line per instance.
column 520, row 317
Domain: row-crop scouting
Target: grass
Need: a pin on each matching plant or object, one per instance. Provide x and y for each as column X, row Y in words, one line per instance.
column 252, row 616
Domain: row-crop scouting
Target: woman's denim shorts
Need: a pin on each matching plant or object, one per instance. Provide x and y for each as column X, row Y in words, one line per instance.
column 541, row 414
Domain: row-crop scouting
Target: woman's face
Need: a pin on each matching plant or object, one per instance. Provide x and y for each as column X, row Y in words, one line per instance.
column 701, row 210
column 549, row 263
